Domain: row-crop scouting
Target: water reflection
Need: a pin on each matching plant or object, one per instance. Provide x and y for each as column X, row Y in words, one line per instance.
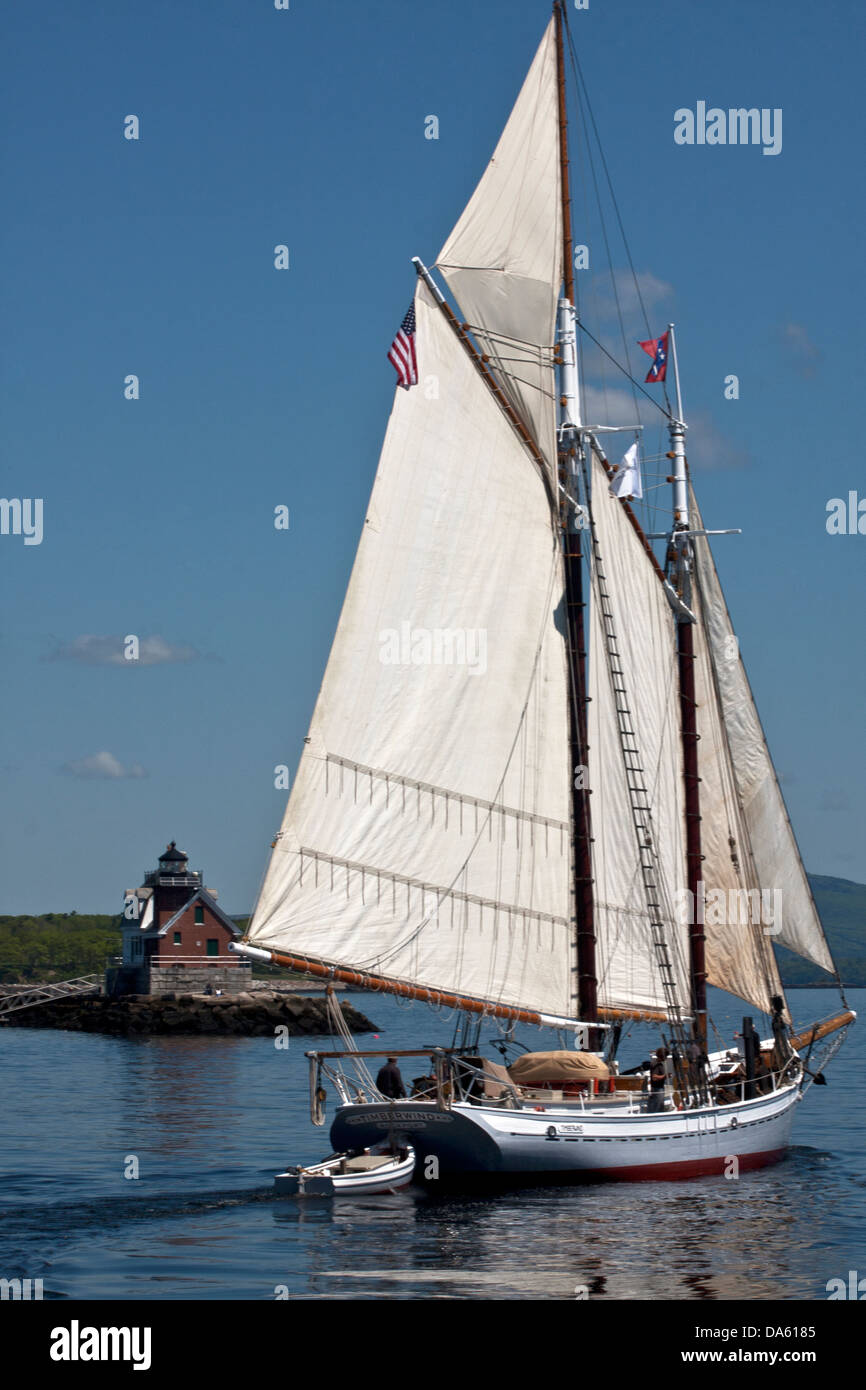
column 714, row 1239
column 179, row 1091
column 214, row 1119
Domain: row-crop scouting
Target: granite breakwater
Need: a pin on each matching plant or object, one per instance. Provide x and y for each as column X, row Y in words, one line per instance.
column 254, row 1014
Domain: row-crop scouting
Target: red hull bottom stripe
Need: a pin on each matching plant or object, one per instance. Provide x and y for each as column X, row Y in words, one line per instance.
column 692, row 1168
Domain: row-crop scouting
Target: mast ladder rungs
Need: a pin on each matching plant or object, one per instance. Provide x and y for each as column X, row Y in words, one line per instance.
column 638, row 798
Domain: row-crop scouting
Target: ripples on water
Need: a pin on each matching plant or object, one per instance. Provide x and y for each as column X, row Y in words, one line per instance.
column 211, row 1120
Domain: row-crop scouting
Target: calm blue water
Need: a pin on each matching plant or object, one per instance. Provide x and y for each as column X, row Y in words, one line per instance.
column 211, row 1120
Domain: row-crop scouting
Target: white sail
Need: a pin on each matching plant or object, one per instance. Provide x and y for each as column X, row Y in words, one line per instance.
column 775, row 856
column 644, row 628
column 739, row 954
column 503, row 260
column 426, row 836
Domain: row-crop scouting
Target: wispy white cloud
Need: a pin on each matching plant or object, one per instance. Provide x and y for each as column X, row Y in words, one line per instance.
column 599, row 300
column 803, row 355
column 612, row 406
column 709, row 450
column 103, row 765
column 93, row 650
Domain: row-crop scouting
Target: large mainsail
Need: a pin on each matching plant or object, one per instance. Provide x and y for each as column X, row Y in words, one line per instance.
column 755, row 818
column 426, row 837
column 639, row 616
column 503, row 260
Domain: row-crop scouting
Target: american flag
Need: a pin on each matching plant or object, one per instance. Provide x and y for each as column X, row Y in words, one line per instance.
column 402, row 351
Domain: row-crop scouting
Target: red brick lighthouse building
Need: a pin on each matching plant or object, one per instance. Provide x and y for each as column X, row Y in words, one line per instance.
column 176, row 936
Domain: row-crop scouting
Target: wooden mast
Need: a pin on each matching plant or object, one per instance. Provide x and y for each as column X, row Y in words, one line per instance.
column 694, row 857
column 682, row 558
column 587, row 984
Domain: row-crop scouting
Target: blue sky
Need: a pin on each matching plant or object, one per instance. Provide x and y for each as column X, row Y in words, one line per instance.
column 261, row 387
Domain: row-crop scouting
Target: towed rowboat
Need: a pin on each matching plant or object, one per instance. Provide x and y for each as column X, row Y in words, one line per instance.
column 350, row 1172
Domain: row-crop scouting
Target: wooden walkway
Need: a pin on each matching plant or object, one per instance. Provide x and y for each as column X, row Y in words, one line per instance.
column 28, row 996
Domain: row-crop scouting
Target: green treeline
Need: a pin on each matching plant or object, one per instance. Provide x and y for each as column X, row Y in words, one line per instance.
column 57, row 945
column 61, row 945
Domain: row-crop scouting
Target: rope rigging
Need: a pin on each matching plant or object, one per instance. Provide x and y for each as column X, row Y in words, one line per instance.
column 582, row 89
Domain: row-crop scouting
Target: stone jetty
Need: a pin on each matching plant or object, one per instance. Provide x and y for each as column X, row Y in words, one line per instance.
column 251, row 1015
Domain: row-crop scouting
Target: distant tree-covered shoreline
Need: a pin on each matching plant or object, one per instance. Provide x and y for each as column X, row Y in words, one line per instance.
column 63, row 945
column 59, row 945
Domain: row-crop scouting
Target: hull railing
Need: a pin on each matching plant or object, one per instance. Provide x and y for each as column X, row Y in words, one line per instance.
column 454, row 1079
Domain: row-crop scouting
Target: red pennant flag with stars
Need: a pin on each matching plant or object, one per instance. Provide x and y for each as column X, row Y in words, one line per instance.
column 658, row 351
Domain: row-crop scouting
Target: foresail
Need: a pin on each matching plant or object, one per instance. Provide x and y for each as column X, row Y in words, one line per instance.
column 643, row 626
column 503, row 260
column 775, row 857
column 426, row 837
column 737, row 922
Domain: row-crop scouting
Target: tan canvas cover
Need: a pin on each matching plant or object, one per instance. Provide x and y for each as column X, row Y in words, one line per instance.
column 557, row 1066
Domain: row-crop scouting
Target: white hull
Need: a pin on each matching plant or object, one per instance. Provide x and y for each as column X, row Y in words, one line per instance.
column 612, row 1142
column 342, row 1176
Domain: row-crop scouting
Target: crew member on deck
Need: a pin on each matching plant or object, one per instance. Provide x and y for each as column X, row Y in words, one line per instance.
column 390, row 1082
column 780, row 1032
column 658, row 1080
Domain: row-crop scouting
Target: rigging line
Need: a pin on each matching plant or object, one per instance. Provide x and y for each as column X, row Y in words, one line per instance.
column 581, row 155
column 624, row 370
column 335, row 1014
column 264, row 874
column 497, row 336
column 575, row 63
column 551, row 395
column 577, row 72
column 582, row 150
column 581, row 94
column 527, row 361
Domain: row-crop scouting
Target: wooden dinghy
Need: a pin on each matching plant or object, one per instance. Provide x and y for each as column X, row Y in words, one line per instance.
column 368, row 1171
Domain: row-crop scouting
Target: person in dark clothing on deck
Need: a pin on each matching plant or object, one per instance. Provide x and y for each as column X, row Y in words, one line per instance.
column 390, row 1082
column 658, row 1080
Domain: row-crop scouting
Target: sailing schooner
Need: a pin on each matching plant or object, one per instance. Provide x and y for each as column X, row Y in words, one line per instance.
column 576, row 832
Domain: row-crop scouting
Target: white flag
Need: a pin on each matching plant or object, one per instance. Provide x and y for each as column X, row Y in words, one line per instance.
column 627, row 480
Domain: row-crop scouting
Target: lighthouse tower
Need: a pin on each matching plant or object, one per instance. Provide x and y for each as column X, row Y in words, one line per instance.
column 175, row 934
